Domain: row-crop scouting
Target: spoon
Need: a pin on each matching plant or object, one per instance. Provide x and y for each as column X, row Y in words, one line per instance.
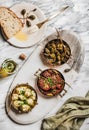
column 69, row 69
column 51, row 17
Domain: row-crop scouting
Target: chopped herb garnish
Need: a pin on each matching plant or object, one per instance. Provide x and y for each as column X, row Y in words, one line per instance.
column 22, row 92
column 49, row 80
column 21, row 103
column 25, row 102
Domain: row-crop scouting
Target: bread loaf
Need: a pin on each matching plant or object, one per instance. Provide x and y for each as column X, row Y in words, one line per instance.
column 9, row 22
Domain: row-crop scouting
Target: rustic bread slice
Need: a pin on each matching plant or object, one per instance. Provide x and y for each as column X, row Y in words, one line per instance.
column 9, row 22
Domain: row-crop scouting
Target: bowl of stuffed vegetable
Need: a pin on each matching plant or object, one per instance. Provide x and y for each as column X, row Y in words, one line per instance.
column 23, row 98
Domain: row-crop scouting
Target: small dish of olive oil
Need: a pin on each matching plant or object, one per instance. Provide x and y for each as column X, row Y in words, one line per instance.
column 8, row 67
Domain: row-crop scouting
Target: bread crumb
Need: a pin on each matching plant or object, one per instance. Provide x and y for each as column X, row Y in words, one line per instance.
column 22, row 56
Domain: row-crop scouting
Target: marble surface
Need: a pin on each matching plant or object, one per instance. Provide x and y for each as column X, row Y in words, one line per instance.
column 75, row 19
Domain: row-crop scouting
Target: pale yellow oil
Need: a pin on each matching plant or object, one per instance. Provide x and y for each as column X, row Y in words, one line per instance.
column 21, row 36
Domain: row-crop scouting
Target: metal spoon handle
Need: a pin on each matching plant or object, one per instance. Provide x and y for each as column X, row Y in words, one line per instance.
column 57, row 13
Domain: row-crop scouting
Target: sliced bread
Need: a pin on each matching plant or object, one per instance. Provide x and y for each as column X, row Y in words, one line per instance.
column 9, row 22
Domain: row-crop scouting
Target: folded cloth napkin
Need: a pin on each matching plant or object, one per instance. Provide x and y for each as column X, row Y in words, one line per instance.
column 70, row 116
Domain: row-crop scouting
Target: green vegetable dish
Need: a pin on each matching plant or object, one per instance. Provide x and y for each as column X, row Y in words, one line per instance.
column 55, row 52
column 23, row 98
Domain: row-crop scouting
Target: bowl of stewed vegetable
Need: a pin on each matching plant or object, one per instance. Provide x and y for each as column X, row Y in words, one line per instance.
column 23, row 98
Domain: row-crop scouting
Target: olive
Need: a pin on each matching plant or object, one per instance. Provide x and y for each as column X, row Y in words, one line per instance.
column 23, row 11
column 61, row 46
column 68, row 52
column 47, row 50
column 52, row 60
column 52, row 55
column 53, row 45
column 58, row 57
column 32, row 17
column 58, row 46
column 52, row 50
column 28, row 23
column 34, row 9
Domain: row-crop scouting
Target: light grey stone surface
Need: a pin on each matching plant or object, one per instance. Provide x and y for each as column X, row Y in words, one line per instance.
column 75, row 19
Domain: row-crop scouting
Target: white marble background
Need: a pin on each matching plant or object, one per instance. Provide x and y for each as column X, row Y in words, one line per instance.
column 75, row 19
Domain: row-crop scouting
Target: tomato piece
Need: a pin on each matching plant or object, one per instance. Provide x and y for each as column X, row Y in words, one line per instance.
column 46, row 74
column 53, row 87
column 54, row 77
column 59, row 86
column 41, row 82
column 58, row 78
column 43, row 85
